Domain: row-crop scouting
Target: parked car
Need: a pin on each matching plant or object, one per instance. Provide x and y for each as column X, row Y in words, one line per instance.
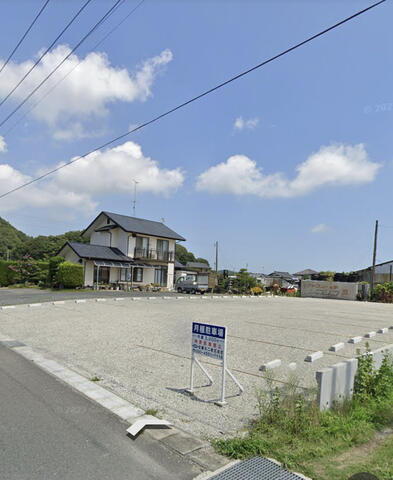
column 193, row 283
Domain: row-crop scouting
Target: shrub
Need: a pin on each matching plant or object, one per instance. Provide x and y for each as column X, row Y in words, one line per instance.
column 383, row 292
column 7, row 276
column 256, row 290
column 53, row 269
column 70, row 275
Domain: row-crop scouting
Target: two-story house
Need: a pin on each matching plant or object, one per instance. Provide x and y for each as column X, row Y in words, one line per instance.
column 125, row 251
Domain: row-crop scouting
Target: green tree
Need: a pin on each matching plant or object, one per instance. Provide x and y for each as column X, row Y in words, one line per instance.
column 10, row 238
column 244, row 281
column 25, row 269
column 202, row 260
column 182, row 255
column 54, row 263
column 45, row 247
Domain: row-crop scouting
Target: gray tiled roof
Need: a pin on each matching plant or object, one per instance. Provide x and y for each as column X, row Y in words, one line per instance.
column 307, row 271
column 140, row 225
column 98, row 252
column 280, row 274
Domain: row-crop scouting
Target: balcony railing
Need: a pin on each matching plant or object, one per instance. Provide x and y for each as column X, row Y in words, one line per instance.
column 149, row 254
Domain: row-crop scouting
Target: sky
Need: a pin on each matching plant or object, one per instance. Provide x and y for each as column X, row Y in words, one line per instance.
column 287, row 168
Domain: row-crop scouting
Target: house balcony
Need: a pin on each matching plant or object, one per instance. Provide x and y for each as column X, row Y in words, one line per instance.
column 158, row 255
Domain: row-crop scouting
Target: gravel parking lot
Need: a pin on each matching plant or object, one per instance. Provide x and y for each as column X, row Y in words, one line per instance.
column 141, row 348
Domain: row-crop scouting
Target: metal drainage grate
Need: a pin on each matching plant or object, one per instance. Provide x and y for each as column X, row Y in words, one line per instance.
column 256, row 468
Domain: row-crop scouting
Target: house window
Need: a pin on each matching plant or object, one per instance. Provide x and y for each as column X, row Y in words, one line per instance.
column 142, row 247
column 103, row 274
column 138, row 274
column 125, row 275
column 161, row 276
column 162, row 250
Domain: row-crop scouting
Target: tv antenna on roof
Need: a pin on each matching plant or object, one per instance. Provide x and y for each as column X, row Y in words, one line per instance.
column 134, row 202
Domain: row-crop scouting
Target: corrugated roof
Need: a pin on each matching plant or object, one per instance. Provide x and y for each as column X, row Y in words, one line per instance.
column 143, row 226
column 98, row 252
column 197, row 265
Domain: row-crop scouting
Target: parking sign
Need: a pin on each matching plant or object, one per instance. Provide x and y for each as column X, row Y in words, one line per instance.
column 209, row 340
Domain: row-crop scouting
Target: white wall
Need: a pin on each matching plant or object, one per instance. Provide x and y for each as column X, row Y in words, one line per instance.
column 101, row 238
column 114, row 274
column 171, row 275
column 322, row 289
column 89, row 273
column 148, row 276
column 70, row 255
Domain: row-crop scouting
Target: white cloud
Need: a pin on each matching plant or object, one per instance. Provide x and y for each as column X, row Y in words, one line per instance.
column 242, row 124
column 113, row 171
column 335, row 165
column 42, row 195
column 79, row 185
column 88, row 90
column 320, row 228
column 3, row 145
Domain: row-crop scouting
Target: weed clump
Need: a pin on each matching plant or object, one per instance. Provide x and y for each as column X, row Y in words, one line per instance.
column 291, row 428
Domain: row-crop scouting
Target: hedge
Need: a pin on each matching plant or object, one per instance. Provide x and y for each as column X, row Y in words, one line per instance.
column 70, row 275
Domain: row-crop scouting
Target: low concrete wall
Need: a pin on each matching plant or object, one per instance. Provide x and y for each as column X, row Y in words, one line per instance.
column 323, row 289
column 336, row 383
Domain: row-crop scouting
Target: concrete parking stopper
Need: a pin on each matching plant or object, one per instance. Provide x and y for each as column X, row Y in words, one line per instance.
column 313, row 357
column 370, row 334
column 355, row 340
column 383, row 330
column 336, row 347
column 270, row 365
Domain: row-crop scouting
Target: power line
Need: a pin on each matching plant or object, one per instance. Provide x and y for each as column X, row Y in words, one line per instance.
column 203, row 94
column 46, row 51
column 73, row 68
column 24, row 35
column 61, row 63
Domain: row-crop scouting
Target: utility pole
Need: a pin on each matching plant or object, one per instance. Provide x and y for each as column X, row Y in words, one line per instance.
column 134, row 202
column 216, row 246
column 374, row 258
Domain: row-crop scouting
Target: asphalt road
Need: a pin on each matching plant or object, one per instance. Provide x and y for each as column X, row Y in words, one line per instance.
column 48, row 431
column 20, row 296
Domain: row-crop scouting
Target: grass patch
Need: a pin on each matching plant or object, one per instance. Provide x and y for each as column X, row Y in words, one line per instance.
column 291, row 429
column 374, row 457
column 151, row 411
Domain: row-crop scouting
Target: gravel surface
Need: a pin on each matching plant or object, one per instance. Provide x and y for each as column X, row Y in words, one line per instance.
column 141, row 349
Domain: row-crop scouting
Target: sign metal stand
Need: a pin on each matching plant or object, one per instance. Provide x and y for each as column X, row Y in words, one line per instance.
column 210, row 340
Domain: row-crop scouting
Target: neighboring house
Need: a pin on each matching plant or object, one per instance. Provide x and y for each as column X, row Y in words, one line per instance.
column 125, row 250
column 284, row 279
column 261, row 278
column 182, row 270
column 305, row 274
column 200, row 267
column 383, row 273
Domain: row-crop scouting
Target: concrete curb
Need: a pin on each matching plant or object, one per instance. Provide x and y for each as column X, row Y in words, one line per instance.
column 194, row 449
column 59, row 303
